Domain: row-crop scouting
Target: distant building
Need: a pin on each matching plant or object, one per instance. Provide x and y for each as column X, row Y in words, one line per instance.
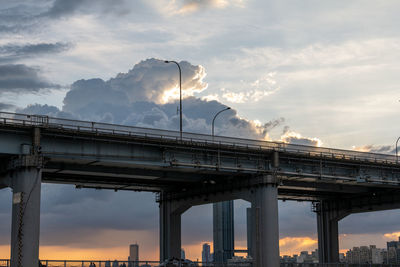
column 377, row 256
column 392, row 255
column 134, row 255
column 341, row 257
column 205, row 254
column 304, row 257
column 370, row 255
column 223, row 231
column 239, row 261
column 364, row 255
column 183, row 256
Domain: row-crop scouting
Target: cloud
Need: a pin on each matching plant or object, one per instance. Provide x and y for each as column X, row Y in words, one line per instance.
column 251, row 92
column 292, row 137
column 383, row 149
column 371, row 223
column 189, row 6
column 13, row 52
column 292, row 245
column 20, row 78
column 17, row 16
column 5, row 106
column 151, row 80
column 61, row 8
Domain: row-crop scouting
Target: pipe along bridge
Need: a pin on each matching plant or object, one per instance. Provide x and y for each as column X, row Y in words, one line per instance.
column 193, row 170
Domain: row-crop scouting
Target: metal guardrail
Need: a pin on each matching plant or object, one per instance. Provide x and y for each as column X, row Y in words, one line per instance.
column 117, row 263
column 337, row 265
column 8, row 118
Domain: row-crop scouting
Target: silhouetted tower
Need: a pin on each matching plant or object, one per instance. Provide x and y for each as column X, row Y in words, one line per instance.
column 223, row 231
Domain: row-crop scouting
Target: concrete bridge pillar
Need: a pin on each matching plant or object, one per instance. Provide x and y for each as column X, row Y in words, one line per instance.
column 264, row 220
column 170, row 228
column 328, row 216
column 26, row 185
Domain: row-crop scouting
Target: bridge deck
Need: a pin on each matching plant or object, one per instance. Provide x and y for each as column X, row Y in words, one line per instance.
column 101, row 155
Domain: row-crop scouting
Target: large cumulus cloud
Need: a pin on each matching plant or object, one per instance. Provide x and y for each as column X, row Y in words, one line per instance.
column 147, row 96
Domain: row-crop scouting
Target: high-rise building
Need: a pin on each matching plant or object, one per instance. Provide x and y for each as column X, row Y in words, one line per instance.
column 364, row 255
column 206, row 254
column 134, row 254
column 249, row 233
column 223, row 231
column 377, row 256
column 183, row 254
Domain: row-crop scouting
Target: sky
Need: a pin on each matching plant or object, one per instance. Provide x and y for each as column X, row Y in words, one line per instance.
column 321, row 73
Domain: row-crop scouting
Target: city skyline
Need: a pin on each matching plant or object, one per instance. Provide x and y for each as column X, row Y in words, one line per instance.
column 311, row 73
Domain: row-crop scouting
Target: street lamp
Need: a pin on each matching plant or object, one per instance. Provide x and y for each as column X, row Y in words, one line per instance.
column 397, row 157
column 180, row 94
column 228, row 108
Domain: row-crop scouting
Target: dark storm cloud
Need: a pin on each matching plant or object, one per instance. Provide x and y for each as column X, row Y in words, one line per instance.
column 17, row 16
column 62, row 8
column 97, row 208
column 5, row 106
column 382, row 149
column 12, row 52
column 372, row 222
column 20, row 78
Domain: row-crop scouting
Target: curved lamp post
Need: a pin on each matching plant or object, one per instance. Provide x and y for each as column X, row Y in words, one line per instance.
column 397, row 157
column 180, row 94
column 228, row 108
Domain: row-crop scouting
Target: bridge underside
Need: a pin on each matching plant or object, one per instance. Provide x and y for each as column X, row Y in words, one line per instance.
column 187, row 173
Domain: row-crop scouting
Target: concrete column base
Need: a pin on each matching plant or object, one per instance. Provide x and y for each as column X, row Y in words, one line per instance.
column 328, row 216
column 265, row 227
column 170, row 228
column 26, row 185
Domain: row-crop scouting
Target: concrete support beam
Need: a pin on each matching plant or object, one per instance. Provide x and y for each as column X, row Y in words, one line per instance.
column 265, row 228
column 26, row 185
column 328, row 216
column 170, row 228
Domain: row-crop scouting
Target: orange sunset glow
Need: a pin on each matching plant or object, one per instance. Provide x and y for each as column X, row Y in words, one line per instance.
column 288, row 246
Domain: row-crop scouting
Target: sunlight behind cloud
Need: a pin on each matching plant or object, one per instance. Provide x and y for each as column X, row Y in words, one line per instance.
column 293, row 245
column 297, row 138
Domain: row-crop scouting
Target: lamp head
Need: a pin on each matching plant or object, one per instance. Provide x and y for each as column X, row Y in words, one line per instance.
column 166, row 61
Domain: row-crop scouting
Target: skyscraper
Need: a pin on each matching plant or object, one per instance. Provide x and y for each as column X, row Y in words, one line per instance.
column 249, row 232
column 223, row 231
column 134, row 254
column 205, row 254
column 183, row 254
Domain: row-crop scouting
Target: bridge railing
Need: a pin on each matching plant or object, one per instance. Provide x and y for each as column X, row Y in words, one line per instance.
column 115, row 263
column 106, row 128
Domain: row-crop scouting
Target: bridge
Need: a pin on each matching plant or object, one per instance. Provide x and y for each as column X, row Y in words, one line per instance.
column 193, row 170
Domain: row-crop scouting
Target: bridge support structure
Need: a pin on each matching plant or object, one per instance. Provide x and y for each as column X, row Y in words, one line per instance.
column 328, row 216
column 23, row 174
column 170, row 228
column 264, row 224
column 263, row 196
column 25, row 229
